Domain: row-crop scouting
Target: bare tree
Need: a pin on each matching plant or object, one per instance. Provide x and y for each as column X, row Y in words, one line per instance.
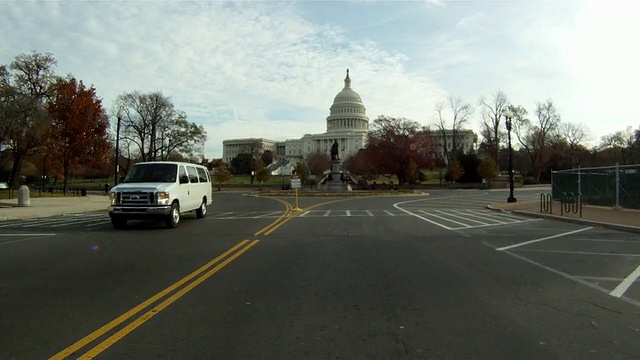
column 621, row 142
column 492, row 131
column 159, row 131
column 574, row 134
column 448, row 129
column 534, row 137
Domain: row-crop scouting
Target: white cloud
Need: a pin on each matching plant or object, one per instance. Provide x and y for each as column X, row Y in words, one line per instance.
column 271, row 70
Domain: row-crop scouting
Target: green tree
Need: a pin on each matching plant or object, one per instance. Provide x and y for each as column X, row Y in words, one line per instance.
column 221, row 175
column 24, row 90
column 302, row 170
column 488, row 169
column 412, row 173
column 243, row 163
column 455, row 170
column 262, row 174
column 469, row 163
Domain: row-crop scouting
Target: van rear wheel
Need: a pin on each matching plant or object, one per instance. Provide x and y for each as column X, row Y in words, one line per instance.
column 202, row 210
column 173, row 218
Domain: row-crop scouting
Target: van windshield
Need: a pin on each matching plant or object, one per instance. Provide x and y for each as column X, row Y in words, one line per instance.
column 152, row 173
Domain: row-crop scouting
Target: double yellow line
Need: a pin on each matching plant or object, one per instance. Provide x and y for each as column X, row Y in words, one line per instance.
column 199, row 275
column 174, row 292
column 290, row 213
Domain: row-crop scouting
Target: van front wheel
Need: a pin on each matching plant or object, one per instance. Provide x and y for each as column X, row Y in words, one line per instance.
column 202, row 210
column 118, row 222
column 173, row 218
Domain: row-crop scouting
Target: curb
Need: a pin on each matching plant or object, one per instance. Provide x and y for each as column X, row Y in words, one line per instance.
column 619, row 227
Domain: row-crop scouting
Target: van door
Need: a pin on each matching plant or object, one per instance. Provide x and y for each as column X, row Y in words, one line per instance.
column 193, row 193
column 182, row 192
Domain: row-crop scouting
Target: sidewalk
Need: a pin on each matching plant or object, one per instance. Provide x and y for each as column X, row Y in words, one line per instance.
column 619, row 219
column 49, row 206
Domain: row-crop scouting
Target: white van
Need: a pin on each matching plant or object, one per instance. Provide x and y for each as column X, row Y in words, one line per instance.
column 161, row 189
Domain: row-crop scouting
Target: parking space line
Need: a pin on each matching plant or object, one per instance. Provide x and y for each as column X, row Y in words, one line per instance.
column 608, row 240
column 543, row 239
column 598, row 278
column 626, row 283
column 580, row 252
column 577, row 279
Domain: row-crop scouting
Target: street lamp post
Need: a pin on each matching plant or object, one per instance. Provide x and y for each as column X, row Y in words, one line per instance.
column 508, row 117
column 115, row 174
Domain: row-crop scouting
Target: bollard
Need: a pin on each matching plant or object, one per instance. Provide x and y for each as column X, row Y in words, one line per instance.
column 24, row 198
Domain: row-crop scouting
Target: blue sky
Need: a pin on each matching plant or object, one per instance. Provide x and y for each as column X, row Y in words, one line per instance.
column 272, row 68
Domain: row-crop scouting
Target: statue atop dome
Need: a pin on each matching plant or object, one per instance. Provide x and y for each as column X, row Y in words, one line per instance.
column 347, row 81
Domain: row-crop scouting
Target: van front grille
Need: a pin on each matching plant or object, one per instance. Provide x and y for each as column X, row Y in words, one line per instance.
column 137, row 198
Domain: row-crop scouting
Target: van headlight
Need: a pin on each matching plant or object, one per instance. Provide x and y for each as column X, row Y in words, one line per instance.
column 163, row 198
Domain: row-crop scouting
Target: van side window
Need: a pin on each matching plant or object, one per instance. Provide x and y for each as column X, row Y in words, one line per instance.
column 202, row 175
column 182, row 173
column 193, row 174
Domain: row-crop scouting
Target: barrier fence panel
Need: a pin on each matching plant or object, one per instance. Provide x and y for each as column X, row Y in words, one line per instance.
column 614, row 186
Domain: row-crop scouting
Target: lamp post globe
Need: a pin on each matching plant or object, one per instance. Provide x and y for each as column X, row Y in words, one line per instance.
column 508, row 115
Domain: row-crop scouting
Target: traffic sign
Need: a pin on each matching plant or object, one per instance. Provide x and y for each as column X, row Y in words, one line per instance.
column 296, row 182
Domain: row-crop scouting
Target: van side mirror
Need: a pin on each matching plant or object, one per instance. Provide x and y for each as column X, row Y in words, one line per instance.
column 184, row 179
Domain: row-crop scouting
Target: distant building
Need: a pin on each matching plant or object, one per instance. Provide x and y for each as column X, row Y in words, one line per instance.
column 347, row 124
column 467, row 140
column 231, row 148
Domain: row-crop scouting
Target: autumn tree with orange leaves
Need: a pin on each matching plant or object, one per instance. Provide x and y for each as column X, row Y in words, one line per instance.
column 397, row 146
column 79, row 128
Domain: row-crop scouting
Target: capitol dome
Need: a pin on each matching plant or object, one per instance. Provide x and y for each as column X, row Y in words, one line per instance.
column 347, row 112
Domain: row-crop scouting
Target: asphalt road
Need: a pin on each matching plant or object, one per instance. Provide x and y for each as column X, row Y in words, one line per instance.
column 421, row 276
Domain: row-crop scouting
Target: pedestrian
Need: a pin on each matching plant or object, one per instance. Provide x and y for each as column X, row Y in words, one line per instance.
column 107, row 186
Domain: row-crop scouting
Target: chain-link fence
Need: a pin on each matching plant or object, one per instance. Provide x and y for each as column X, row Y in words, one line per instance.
column 615, row 186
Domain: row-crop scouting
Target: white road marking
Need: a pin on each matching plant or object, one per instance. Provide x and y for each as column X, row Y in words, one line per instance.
column 273, row 213
column 626, row 283
column 567, row 276
column 599, row 278
column 390, row 213
column 14, row 235
column 542, row 239
column 445, row 219
column 462, row 217
column 580, row 252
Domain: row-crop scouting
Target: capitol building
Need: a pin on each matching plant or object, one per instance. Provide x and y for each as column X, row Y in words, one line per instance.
column 347, row 124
